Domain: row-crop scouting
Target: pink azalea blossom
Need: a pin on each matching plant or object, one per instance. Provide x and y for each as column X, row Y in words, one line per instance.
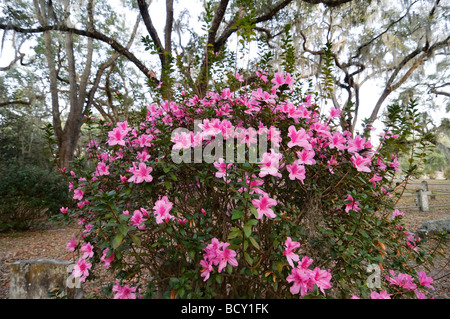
column 207, row 269
column 137, row 220
column 78, row 194
column 227, row 256
column 298, row 138
column 161, row 210
column 321, row 278
column 306, row 157
column 375, row 178
column 81, row 269
column 396, row 213
column 290, row 246
column 356, row 144
column 87, row 250
column 305, row 262
column 64, row 210
column 116, row 136
column 107, row 260
column 425, row 281
column 361, row 163
column 335, row 112
column 300, row 278
column 125, row 292
column 263, row 205
column 395, row 164
column 222, row 168
column 182, row 140
column 296, row 171
column 141, row 174
column 402, row 280
column 72, row 244
column 270, row 164
column 217, row 253
column 337, row 140
column 382, row 295
column 102, row 169
column 352, row 205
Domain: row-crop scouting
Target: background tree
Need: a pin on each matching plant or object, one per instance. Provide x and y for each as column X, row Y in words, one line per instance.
column 344, row 43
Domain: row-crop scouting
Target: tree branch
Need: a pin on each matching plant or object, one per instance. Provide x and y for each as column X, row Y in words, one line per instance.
column 92, row 34
column 143, row 9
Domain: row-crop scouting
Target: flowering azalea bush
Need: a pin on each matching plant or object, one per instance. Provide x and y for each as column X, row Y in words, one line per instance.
column 243, row 194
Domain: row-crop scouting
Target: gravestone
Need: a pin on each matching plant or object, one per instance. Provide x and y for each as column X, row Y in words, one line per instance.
column 35, row 278
column 433, row 227
column 422, row 197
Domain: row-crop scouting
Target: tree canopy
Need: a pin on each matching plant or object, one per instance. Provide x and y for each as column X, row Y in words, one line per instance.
column 111, row 57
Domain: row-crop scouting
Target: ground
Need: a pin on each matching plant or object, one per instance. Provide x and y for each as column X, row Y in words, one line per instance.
column 49, row 242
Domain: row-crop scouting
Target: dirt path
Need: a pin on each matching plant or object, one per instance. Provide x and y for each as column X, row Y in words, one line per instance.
column 51, row 243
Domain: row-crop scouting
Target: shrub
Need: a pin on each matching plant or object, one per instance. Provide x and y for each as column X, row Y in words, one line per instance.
column 171, row 215
column 27, row 193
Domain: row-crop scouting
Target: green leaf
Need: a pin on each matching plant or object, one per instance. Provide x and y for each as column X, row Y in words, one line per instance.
column 123, row 229
column 135, row 240
column 236, row 232
column 247, row 230
column 254, row 242
column 251, row 222
column 117, row 241
column 236, row 214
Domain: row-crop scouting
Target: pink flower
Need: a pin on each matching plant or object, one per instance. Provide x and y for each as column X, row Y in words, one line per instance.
column 396, row 213
column 207, row 269
column 222, row 168
column 182, row 140
column 288, row 252
column 137, row 220
column 335, row 112
column 81, row 269
column 337, row 140
column 281, row 79
column 300, row 278
column 227, row 256
column 321, row 278
column 382, row 295
column 125, row 292
column 270, row 164
column 64, row 210
column 425, row 281
column 161, row 210
column 356, row 144
column 298, row 138
column 140, row 174
column 107, row 260
column 72, row 244
column 247, row 136
column 361, row 163
column 395, row 164
column 352, row 205
column 375, row 178
column 217, row 253
column 263, row 205
column 296, row 171
column 87, row 250
column 116, row 137
column 102, row 169
column 306, row 157
column 305, row 262
column 402, row 280
column 78, row 194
